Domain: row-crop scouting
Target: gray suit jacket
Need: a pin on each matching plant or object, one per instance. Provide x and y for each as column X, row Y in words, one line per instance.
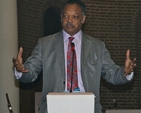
column 48, row 56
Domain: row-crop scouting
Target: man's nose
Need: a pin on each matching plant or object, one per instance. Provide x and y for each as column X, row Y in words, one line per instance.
column 70, row 19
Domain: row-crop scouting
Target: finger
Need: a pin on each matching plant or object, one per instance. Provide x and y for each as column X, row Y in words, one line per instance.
column 18, row 66
column 24, row 71
column 20, row 52
column 125, row 74
column 13, row 60
column 128, row 54
column 15, row 63
column 134, row 60
column 21, row 69
column 132, row 69
column 134, row 66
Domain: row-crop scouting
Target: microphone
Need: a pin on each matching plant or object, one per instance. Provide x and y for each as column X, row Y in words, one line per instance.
column 9, row 104
column 72, row 48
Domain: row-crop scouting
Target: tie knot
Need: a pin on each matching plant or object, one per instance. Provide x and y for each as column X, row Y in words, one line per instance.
column 71, row 39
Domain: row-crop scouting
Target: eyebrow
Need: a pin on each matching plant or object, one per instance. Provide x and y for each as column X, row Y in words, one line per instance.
column 67, row 13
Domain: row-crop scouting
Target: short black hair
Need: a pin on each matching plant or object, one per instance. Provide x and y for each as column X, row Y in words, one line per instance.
column 78, row 2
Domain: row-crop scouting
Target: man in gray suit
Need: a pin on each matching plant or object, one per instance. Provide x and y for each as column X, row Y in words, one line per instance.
column 93, row 59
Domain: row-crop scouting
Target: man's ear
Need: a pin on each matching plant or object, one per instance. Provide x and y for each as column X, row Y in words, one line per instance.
column 83, row 20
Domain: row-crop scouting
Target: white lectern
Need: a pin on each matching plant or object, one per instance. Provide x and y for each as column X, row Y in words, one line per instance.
column 70, row 102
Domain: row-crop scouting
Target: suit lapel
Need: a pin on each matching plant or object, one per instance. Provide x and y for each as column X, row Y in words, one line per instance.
column 85, row 49
column 88, row 49
column 59, row 50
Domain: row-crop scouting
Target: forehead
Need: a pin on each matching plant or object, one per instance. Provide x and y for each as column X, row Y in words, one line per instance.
column 75, row 8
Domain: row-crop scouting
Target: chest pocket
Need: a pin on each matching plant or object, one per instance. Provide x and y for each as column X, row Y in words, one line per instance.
column 91, row 65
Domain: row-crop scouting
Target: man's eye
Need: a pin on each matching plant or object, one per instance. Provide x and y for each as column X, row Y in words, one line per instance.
column 76, row 17
column 65, row 16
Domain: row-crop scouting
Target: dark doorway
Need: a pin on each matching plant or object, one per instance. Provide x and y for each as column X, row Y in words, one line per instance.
column 52, row 21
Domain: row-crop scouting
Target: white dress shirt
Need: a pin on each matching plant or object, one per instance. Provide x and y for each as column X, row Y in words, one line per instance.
column 77, row 41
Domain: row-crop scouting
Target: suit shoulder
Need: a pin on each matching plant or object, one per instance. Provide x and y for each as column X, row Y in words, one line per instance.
column 93, row 39
column 50, row 38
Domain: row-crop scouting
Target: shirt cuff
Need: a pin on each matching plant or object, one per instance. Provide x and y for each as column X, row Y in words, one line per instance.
column 130, row 76
column 18, row 75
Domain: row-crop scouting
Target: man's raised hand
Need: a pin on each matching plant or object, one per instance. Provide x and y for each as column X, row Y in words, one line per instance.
column 129, row 64
column 18, row 62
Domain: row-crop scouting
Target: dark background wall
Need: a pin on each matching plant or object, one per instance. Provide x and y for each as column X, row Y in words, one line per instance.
column 116, row 22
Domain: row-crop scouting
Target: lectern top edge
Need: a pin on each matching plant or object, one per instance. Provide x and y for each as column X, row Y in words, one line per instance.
column 68, row 93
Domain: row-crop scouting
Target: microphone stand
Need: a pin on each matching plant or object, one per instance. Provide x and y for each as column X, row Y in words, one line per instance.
column 72, row 48
column 9, row 104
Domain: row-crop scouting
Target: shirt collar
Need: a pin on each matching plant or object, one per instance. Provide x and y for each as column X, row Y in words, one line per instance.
column 77, row 36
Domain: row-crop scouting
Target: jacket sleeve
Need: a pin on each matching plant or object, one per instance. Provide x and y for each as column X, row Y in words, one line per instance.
column 111, row 72
column 33, row 64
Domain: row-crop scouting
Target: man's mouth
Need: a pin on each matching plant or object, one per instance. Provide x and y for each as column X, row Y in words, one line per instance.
column 69, row 25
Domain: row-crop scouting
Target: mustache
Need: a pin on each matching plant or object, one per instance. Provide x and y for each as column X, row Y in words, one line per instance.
column 69, row 24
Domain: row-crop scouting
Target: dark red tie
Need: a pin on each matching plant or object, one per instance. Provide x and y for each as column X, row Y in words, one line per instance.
column 72, row 79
